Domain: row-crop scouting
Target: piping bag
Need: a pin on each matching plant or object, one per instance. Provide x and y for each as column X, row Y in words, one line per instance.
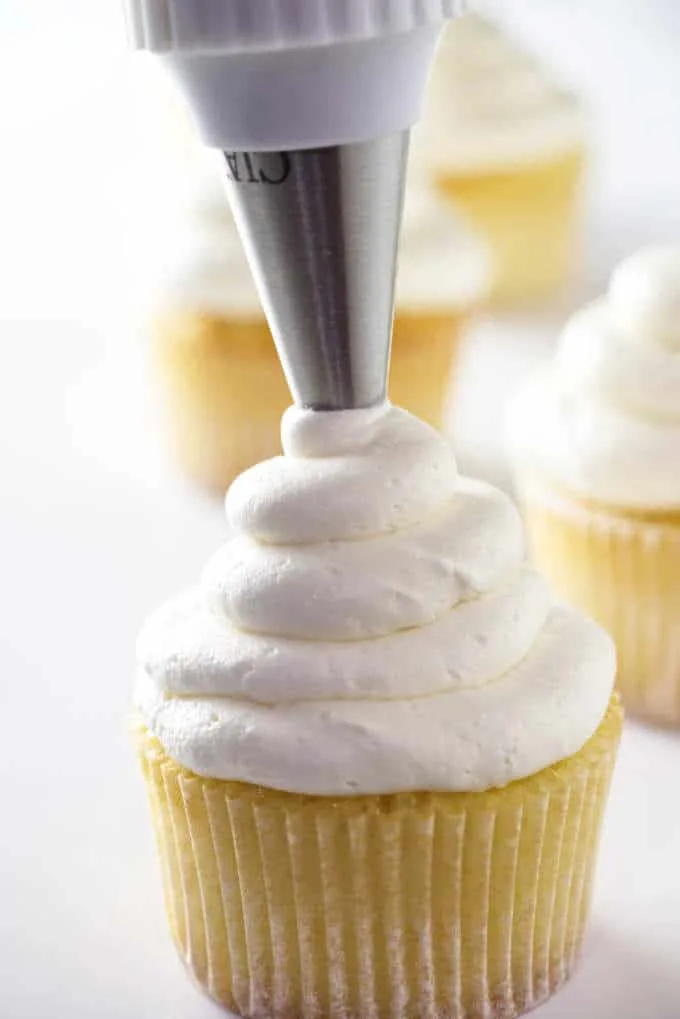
column 311, row 103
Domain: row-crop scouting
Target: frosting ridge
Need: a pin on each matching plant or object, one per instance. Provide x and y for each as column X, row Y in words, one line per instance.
column 371, row 627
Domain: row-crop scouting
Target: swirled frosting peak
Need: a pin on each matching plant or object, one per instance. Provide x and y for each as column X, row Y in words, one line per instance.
column 370, row 627
column 644, row 297
column 605, row 418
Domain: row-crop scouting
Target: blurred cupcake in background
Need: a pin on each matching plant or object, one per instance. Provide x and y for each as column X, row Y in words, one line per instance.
column 444, row 278
column 223, row 387
column 507, row 144
column 596, row 444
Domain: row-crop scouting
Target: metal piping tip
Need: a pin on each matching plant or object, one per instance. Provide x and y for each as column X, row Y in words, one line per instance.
column 321, row 232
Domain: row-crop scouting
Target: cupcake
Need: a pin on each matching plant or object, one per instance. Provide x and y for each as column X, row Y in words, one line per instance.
column 220, row 379
column 596, row 443
column 443, row 280
column 506, row 143
column 377, row 754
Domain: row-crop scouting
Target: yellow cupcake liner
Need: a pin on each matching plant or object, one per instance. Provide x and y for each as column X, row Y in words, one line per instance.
column 623, row 569
column 454, row 906
column 528, row 215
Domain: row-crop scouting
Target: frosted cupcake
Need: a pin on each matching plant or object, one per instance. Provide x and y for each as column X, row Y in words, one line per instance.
column 507, row 144
column 596, row 440
column 222, row 383
column 444, row 279
column 377, row 754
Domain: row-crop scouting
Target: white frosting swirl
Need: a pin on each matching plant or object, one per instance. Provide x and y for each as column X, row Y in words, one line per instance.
column 604, row 421
column 442, row 264
column 371, row 628
column 490, row 104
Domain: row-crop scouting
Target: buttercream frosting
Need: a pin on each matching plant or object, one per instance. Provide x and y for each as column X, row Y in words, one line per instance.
column 604, row 418
column 489, row 103
column 371, row 627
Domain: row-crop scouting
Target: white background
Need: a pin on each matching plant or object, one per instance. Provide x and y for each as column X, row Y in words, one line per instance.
column 95, row 530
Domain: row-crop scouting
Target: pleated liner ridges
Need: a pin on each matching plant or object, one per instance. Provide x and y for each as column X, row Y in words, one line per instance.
column 415, row 905
column 624, row 570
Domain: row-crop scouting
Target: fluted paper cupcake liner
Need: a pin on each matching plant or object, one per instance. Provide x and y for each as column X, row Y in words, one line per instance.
column 381, row 907
column 624, row 570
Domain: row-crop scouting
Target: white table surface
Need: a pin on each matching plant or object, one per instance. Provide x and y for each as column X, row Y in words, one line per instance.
column 95, row 531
